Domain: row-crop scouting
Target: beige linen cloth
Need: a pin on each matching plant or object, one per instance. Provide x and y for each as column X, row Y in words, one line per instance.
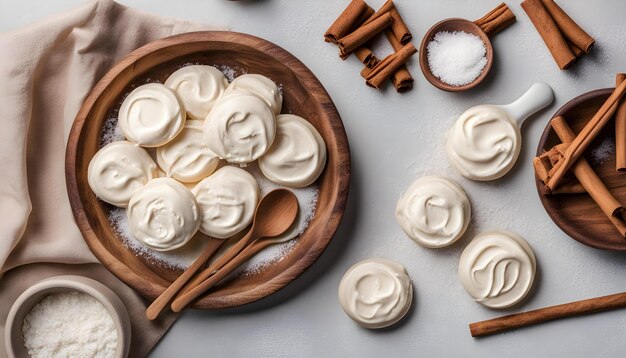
column 46, row 71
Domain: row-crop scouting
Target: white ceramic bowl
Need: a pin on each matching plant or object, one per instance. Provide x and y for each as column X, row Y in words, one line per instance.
column 28, row 299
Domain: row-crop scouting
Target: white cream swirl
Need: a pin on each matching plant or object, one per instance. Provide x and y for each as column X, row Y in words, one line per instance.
column 151, row 115
column 484, row 143
column 240, row 128
column 497, row 269
column 227, row 201
column 163, row 214
column 198, row 87
column 187, row 158
column 118, row 170
column 260, row 86
column 376, row 293
column 297, row 156
column 434, row 211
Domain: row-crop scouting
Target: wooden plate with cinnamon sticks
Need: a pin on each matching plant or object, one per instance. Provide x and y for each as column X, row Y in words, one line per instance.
column 569, row 205
column 303, row 95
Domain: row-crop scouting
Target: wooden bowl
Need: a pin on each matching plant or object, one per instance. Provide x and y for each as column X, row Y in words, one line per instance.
column 577, row 214
column 304, row 95
column 451, row 25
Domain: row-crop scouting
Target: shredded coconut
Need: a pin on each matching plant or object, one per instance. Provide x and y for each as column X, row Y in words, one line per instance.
column 69, row 324
column 457, row 58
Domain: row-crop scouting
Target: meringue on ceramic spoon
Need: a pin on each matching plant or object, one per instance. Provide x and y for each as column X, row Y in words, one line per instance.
column 484, row 143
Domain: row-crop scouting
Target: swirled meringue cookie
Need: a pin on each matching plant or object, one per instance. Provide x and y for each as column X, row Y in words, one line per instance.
column 198, row 87
column 434, row 211
column 163, row 214
column 484, row 143
column 118, row 170
column 151, row 115
column 298, row 154
column 240, row 128
column 227, row 201
column 260, row 86
column 187, row 158
column 497, row 269
column 376, row 293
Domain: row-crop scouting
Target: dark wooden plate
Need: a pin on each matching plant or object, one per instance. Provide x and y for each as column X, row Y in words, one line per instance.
column 577, row 214
column 304, row 95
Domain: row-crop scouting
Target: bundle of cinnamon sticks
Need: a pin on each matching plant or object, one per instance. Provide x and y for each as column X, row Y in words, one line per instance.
column 355, row 29
column 552, row 166
column 564, row 38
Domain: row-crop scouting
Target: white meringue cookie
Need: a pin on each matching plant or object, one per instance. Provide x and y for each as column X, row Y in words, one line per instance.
column 434, row 211
column 227, row 200
column 198, row 87
column 151, row 115
column 298, row 155
column 240, row 128
column 260, row 86
column 187, row 158
column 163, row 214
column 118, row 170
column 376, row 293
column 483, row 143
column 497, row 269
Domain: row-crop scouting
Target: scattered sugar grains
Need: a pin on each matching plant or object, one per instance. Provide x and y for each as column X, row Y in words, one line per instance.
column 69, row 324
column 456, row 58
column 183, row 257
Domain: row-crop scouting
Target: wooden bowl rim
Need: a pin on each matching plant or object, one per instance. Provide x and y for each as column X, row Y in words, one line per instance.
column 545, row 202
column 423, row 56
column 336, row 205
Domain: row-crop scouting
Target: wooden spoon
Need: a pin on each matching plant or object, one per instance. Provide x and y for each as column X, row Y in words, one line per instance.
column 160, row 302
column 273, row 216
column 577, row 308
column 487, row 26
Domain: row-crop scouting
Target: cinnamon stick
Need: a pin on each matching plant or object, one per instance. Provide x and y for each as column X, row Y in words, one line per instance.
column 586, row 136
column 401, row 79
column 346, row 21
column 398, row 27
column 496, row 20
column 570, row 188
column 549, row 32
column 575, row 50
column 620, row 129
column 523, row 319
column 364, row 33
column 588, row 178
column 570, row 29
column 389, row 65
column 368, row 68
column 366, row 56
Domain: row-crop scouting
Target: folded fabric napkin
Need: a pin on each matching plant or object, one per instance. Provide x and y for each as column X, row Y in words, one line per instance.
column 47, row 69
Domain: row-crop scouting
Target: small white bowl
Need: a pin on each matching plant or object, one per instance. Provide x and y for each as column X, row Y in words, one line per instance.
column 28, row 299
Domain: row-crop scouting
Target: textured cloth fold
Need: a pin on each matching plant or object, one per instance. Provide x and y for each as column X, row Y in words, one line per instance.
column 47, row 69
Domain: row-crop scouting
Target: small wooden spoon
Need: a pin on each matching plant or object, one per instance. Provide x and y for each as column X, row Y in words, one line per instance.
column 273, row 216
column 577, row 308
column 160, row 302
column 487, row 26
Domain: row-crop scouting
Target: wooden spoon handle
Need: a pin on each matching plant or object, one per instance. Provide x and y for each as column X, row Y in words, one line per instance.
column 186, row 298
column 220, row 262
column 157, row 305
column 577, row 308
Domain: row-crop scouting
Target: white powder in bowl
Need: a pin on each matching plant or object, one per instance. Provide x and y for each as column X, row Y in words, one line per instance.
column 69, row 324
column 456, row 58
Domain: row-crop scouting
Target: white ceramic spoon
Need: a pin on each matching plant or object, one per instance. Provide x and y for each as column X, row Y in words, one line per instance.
column 484, row 143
